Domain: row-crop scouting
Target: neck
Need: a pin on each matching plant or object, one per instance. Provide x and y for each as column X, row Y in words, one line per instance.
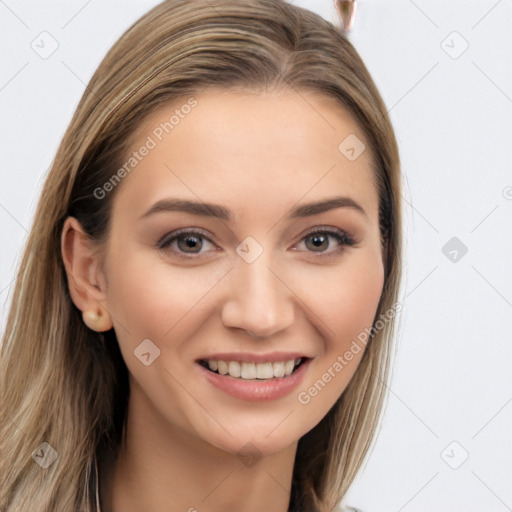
column 170, row 469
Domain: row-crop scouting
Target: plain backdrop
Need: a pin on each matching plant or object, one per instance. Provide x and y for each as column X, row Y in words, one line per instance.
column 444, row 69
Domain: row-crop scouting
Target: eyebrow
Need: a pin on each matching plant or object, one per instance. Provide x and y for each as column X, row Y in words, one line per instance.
column 220, row 212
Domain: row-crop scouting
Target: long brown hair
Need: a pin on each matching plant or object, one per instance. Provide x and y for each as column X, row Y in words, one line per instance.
column 59, row 384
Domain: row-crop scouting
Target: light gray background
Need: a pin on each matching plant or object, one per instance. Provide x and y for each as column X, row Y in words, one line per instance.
column 452, row 111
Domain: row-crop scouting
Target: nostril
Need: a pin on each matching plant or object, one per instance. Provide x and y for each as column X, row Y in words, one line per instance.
column 252, row 335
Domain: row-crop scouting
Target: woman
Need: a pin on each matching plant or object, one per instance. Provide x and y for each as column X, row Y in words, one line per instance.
column 204, row 313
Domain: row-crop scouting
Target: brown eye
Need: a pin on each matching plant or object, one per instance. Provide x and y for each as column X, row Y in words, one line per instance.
column 320, row 241
column 186, row 243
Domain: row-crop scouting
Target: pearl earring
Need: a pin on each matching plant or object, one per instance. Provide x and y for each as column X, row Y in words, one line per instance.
column 96, row 321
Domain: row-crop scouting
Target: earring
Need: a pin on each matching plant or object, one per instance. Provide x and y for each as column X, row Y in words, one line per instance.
column 96, row 321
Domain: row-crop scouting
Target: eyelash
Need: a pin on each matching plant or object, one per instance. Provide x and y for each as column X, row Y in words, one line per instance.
column 342, row 237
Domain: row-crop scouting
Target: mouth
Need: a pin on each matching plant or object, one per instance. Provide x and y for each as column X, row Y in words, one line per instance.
column 241, row 370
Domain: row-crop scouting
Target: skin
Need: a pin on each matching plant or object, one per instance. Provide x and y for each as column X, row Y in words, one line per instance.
column 258, row 155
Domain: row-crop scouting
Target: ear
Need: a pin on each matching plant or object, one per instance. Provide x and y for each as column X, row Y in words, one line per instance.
column 86, row 279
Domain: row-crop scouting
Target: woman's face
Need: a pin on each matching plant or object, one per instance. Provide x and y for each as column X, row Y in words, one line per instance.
column 246, row 280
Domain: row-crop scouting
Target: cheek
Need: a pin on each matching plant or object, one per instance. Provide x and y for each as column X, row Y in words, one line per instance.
column 346, row 299
column 345, row 303
column 358, row 299
column 148, row 297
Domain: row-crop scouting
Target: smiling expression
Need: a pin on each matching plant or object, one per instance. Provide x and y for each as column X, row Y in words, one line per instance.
column 284, row 262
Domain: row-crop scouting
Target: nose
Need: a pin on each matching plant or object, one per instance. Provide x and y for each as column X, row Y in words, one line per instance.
column 258, row 299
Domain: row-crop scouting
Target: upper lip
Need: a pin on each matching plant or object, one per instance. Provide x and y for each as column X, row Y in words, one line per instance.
column 246, row 357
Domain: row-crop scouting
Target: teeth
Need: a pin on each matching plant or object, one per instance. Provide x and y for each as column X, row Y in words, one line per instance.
column 251, row 371
column 288, row 367
column 222, row 367
column 234, row 368
column 278, row 369
column 248, row 371
column 264, row 371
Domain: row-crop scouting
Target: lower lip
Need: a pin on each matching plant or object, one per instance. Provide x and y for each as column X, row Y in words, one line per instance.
column 256, row 390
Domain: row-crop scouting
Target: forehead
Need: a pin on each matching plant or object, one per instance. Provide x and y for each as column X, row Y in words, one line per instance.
column 226, row 146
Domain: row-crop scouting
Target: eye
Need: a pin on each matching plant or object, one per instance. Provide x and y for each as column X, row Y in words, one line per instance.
column 318, row 241
column 188, row 243
column 185, row 242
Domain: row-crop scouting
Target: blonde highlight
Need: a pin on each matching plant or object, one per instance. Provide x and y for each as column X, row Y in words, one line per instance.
column 59, row 383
